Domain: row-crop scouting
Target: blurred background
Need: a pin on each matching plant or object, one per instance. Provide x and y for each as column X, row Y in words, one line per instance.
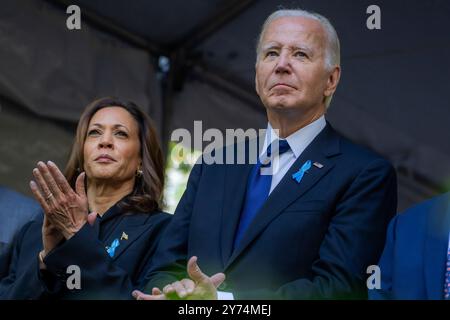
column 194, row 60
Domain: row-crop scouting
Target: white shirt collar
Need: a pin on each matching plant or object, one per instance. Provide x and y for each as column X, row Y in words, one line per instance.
column 300, row 139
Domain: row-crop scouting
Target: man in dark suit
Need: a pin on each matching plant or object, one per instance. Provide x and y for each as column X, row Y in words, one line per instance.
column 15, row 211
column 415, row 262
column 309, row 230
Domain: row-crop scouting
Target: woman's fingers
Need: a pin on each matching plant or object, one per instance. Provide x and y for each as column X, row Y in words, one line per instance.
column 43, row 188
column 49, row 180
column 66, row 210
column 38, row 196
column 79, row 185
column 91, row 218
column 57, row 175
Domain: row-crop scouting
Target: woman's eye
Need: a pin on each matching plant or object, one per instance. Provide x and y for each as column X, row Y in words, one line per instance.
column 122, row 134
column 93, row 132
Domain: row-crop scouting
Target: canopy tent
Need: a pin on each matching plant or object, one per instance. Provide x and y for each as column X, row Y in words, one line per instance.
column 391, row 97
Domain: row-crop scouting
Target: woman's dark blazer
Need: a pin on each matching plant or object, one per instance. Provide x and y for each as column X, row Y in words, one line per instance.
column 109, row 259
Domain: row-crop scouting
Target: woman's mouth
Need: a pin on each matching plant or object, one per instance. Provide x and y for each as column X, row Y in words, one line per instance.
column 104, row 158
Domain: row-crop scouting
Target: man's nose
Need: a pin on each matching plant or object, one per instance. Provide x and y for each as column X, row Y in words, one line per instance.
column 283, row 63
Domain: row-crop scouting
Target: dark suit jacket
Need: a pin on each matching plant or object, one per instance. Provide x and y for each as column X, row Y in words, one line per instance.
column 413, row 262
column 102, row 277
column 312, row 239
column 15, row 210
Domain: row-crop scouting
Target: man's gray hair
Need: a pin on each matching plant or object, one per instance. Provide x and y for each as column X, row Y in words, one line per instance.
column 332, row 51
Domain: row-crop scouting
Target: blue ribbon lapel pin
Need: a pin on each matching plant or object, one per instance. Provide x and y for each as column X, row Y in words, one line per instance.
column 298, row 176
column 112, row 248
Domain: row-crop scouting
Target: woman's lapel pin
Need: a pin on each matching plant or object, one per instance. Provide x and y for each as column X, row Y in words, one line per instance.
column 112, row 248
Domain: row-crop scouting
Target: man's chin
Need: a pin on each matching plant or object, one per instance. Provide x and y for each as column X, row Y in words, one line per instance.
column 281, row 107
column 280, row 102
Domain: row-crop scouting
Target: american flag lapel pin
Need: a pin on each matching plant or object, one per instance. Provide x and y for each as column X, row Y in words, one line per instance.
column 318, row 165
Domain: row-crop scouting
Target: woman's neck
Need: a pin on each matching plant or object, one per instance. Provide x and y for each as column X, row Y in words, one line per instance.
column 102, row 196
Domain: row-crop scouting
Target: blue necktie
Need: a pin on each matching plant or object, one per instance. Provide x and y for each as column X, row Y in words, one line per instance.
column 447, row 276
column 258, row 187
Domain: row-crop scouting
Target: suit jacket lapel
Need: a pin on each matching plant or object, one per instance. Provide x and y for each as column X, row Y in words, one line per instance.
column 436, row 248
column 234, row 193
column 323, row 147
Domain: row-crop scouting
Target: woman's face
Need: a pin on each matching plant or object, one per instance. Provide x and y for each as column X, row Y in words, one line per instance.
column 112, row 147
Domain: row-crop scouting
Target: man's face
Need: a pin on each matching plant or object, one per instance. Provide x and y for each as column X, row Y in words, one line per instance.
column 290, row 69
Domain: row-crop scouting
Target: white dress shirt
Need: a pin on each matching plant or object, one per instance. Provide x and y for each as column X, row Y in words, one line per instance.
column 298, row 141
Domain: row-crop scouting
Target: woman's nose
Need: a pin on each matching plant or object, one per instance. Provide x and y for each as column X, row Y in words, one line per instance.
column 106, row 141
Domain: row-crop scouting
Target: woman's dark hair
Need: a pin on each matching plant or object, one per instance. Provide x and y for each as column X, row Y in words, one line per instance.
column 147, row 194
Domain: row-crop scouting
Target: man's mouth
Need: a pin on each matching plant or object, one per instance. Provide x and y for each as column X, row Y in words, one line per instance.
column 282, row 85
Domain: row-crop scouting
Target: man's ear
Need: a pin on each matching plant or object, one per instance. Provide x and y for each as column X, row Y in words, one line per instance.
column 332, row 81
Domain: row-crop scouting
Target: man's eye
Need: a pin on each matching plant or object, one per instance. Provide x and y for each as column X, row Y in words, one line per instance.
column 301, row 54
column 271, row 53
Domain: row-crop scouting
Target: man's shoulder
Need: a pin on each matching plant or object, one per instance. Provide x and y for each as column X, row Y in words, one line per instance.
column 359, row 152
column 9, row 194
column 13, row 200
column 31, row 230
column 356, row 155
column 413, row 224
column 426, row 209
column 15, row 211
